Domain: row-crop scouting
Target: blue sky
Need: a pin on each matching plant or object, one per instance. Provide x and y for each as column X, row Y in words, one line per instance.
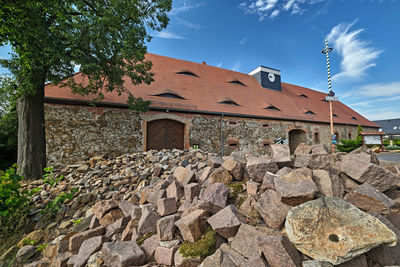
column 288, row 35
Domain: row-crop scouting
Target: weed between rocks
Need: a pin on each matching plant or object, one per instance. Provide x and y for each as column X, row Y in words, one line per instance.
column 204, row 247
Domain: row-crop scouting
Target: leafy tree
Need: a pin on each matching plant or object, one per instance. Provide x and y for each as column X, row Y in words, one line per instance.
column 8, row 122
column 348, row 145
column 106, row 38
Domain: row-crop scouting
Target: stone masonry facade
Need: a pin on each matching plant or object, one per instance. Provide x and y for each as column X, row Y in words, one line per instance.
column 76, row 133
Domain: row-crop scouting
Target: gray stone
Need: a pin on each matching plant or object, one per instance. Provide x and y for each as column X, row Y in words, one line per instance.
column 61, row 260
column 204, row 175
column 284, row 171
column 214, row 197
column 165, row 255
column 149, row 247
column 87, row 248
column 235, row 167
column 302, row 149
column 192, row 226
column 166, row 206
column 126, row 207
column 215, row 162
column 252, row 187
column 268, row 181
column 368, row 198
column 257, row 167
column 318, row 149
column 272, row 210
column 148, row 221
column 359, row 168
column 220, row 175
column 166, row 227
column 296, row 187
column 330, row 229
column 281, row 154
column 175, row 190
column 104, row 206
column 278, row 251
column 226, row 222
column 117, row 227
column 191, row 190
column 122, row 254
column 328, row 183
column 25, row 253
column 76, row 240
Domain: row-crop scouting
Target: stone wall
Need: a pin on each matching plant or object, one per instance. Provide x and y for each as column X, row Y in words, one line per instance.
column 75, row 133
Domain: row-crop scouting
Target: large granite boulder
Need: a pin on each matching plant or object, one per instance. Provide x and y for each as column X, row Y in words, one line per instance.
column 330, row 229
column 257, row 167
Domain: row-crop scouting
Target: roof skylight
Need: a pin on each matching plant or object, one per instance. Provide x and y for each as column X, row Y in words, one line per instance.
column 170, row 95
column 237, row 82
column 187, row 73
column 229, row 102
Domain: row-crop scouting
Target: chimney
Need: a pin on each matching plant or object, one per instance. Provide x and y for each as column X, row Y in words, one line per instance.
column 268, row 78
column 204, row 63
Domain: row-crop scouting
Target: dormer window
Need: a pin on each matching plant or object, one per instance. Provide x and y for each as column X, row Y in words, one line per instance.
column 303, row 96
column 170, row 95
column 237, row 82
column 229, row 102
column 271, row 107
column 187, row 73
column 309, row 112
column 354, row 118
column 334, row 115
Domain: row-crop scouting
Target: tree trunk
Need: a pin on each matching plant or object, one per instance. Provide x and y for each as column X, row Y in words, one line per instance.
column 31, row 134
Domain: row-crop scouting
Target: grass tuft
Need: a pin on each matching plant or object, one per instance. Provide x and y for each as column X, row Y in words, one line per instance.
column 204, row 247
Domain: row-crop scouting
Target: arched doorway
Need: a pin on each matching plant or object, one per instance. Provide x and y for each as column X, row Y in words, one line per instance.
column 296, row 136
column 165, row 133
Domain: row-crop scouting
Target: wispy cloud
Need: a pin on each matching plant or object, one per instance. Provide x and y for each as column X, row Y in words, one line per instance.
column 357, row 55
column 243, row 41
column 272, row 8
column 219, row 65
column 381, row 89
column 184, row 6
column 236, row 66
column 379, row 113
column 168, row 35
column 187, row 24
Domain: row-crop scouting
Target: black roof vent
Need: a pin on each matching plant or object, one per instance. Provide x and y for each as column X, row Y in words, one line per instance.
column 268, row 77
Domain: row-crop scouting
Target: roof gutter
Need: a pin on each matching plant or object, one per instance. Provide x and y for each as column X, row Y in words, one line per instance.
column 75, row 102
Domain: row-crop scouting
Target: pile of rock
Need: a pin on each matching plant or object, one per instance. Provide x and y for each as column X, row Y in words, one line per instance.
column 314, row 209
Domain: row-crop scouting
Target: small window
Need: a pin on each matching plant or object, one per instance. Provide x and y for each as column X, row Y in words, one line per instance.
column 309, row 112
column 233, row 144
column 170, row 95
column 303, row 96
column 187, row 73
column 354, row 118
column 380, row 129
column 395, row 128
column 271, row 107
column 349, row 136
column 237, row 82
column 265, row 125
column 229, row 102
column 316, row 137
column 233, row 123
column 334, row 115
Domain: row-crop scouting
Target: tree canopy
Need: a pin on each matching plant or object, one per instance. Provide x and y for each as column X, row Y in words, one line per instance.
column 49, row 38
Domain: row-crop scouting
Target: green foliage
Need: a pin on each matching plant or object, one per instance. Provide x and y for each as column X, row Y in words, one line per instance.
column 55, row 205
column 107, row 39
column 386, row 142
column 49, row 178
column 11, row 197
column 348, row 145
column 8, row 122
column 42, row 247
column 204, row 247
column 392, row 147
column 76, row 222
column 235, row 189
column 143, row 238
column 28, row 241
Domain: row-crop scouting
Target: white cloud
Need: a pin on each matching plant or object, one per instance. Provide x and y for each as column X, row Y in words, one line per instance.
column 273, row 8
column 168, row 35
column 379, row 113
column 381, row 89
column 236, row 66
column 184, row 6
column 188, row 24
column 219, row 65
column 357, row 55
column 243, row 41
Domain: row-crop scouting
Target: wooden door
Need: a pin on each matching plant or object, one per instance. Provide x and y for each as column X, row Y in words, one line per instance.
column 167, row 134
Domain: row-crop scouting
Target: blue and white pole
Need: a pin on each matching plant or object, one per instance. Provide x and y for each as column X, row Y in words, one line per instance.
column 326, row 51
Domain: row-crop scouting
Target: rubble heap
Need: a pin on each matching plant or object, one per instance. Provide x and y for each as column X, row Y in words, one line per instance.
column 189, row 208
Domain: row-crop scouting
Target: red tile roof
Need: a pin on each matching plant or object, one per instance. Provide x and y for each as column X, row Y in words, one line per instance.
column 212, row 86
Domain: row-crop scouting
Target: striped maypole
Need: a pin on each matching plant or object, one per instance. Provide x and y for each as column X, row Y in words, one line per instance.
column 326, row 51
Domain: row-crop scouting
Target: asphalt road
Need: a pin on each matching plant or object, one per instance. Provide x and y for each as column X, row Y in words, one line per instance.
column 389, row 157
